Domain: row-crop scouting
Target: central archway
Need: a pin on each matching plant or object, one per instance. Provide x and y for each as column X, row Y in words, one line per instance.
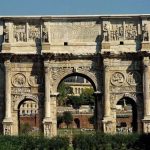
column 79, row 82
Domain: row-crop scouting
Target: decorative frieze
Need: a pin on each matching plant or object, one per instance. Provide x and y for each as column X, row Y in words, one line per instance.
column 126, row 89
column 20, row 90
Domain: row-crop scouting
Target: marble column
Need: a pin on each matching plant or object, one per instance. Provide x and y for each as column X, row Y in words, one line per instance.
column 47, row 93
column 106, row 92
column 7, row 122
column 146, row 91
column 47, row 120
column 146, row 120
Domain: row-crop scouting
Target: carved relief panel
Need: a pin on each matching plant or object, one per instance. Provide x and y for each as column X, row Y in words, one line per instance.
column 19, row 80
column 34, row 32
column 20, row 33
column 119, row 30
column 131, row 30
column 122, row 82
column 116, row 31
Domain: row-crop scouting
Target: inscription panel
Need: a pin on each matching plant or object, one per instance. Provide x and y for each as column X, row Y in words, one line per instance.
column 75, row 32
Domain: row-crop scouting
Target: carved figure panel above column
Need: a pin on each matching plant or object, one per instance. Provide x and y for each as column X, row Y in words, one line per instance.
column 20, row 33
column 116, row 32
column 130, row 31
column 34, row 33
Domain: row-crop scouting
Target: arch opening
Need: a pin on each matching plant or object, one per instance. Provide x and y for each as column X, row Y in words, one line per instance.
column 28, row 117
column 126, row 115
column 79, row 100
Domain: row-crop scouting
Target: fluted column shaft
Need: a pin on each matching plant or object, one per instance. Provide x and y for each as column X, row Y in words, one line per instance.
column 7, row 89
column 146, row 91
column 47, row 93
column 106, row 92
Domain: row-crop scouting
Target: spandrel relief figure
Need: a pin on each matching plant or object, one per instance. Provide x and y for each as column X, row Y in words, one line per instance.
column 44, row 34
column 105, row 32
column 145, row 32
column 6, row 34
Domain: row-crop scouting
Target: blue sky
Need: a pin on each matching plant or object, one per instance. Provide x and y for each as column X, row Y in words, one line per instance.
column 73, row 7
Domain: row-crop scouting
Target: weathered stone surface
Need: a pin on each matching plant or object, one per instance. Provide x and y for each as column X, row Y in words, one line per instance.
column 39, row 52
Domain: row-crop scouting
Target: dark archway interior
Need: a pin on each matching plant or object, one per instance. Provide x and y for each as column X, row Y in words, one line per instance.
column 77, row 122
column 127, row 102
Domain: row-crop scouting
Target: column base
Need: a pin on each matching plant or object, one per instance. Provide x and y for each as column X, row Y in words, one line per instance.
column 109, row 126
column 146, row 124
column 47, row 122
column 7, row 126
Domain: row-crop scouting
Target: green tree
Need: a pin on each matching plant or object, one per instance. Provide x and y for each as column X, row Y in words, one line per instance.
column 63, row 90
column 75, row 101
column 87, row 97
column 68, row 118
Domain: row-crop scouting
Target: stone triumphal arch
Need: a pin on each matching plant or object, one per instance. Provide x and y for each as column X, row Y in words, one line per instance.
column 38, row 52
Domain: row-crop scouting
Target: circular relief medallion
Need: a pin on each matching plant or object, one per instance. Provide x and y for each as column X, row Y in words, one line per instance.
column 35, row 80
column 18, row 80
column 117, row 79
column 134, row 78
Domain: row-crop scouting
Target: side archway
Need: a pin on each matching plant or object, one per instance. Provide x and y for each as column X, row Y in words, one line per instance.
column 28, row 116
column 126, row 115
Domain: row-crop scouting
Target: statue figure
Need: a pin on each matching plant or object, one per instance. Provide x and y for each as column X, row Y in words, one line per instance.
column 45, row 34
column 6, row 34
column 105, row 32
column 145, row 32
